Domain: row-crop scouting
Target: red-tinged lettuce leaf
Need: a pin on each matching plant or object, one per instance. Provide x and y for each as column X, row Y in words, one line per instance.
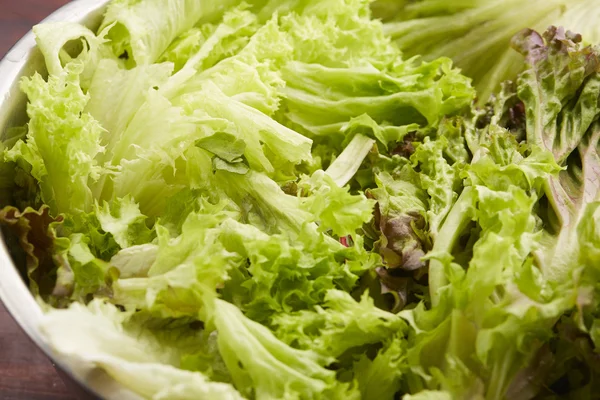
column 561, row 94
column 400, row 216
column 17, row 186
column 559, row 89
column 31, row 236
column 567, row 368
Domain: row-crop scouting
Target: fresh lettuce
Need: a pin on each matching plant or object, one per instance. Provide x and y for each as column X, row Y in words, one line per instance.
column 502, row 305
column 62, row 141
column 274, row 199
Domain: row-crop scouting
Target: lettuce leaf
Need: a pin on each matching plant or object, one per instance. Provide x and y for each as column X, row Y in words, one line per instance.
column 101, row 336
column 505, row 306
column 280, row 276
column 36, row 234
column 571, row 134
column 62, row 141
column 143, row 30
column 264, row 367
column 340, row 325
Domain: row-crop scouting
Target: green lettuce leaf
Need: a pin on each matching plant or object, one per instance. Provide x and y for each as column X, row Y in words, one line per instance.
column 264, row 367
column 429, row 395
column 381, row 377
column 390, row 96
column 334, row 207
column 64, row 42
column 209, row 44
column 341, row 324
column 103, row 337
column 143, row 30
column 185, row 272
column 124, row 221
column 62, row 142
column 280, row 276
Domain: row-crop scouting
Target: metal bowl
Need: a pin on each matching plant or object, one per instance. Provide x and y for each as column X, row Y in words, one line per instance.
column 23, row 60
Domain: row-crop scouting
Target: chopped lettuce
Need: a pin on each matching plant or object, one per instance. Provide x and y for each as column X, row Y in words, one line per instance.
column 505, row 305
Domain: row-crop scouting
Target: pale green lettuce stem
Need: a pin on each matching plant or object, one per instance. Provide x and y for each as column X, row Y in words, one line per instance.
column 456, row 222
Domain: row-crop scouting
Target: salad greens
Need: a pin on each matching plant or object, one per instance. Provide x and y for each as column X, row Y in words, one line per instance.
column 269, row 200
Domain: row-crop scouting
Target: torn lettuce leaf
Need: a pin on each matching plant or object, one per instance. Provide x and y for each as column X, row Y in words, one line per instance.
column 340, row 325
column 334, row 207
column 62, row 142
column 124, row 221
column 186, row 270
column 321, row 99
column 211, row 43
column 572, row 134
column 34, row 231
column 284, row 276
column 143, row 30
column 264, row 367
column 102, row 336
column 383, row 376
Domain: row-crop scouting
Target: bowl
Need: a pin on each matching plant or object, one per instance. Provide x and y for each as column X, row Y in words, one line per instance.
column 24, row 59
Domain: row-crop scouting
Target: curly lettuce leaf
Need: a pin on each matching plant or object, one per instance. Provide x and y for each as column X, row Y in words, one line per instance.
column 284, row 276
column 334, row 207
column 264, row 367
column 185, row 272
column 382, row 377
column 35, row 233
column 62, row 142
column 339, row 325
column 210, row 44
column 560, row 90
column 124, row 221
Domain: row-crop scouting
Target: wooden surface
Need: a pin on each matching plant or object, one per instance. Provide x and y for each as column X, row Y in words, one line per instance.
column 25, row 372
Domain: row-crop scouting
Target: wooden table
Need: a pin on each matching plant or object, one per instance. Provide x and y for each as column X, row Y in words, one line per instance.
column 25, row 372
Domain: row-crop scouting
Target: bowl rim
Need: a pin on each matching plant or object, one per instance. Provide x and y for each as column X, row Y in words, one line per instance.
column 14, row 292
